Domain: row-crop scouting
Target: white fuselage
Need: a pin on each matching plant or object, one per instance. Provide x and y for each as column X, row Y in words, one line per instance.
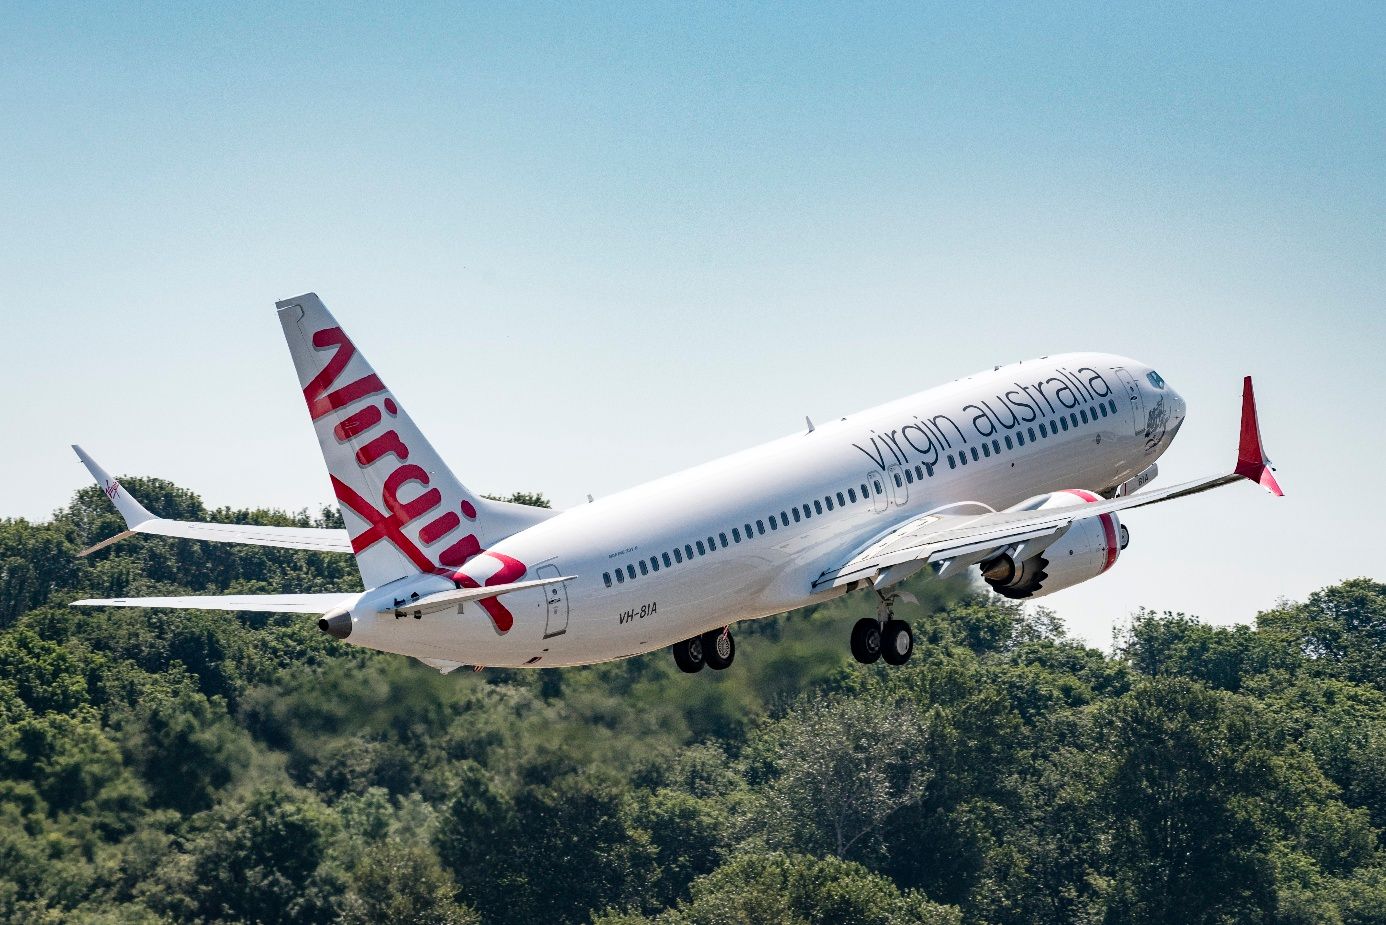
column 758, row 523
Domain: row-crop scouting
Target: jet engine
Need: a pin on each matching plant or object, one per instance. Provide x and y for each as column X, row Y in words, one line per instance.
column 1087, row 549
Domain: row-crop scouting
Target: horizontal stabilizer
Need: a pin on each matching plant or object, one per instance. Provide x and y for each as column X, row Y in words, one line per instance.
column 260, row 603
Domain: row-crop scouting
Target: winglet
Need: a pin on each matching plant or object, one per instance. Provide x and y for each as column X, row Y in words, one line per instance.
column 133, row 512
column 1251, row 456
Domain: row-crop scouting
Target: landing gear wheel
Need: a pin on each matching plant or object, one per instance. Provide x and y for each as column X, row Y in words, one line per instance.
column 897, row 642
column 866, row 640
column 688, row 655
column 718, row 649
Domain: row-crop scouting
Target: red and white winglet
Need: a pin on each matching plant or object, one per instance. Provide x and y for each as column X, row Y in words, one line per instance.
column 1251, row 456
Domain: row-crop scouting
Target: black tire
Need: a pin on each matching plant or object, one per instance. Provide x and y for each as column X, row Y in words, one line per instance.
column 688, row 655
column 866, row 640
column 897, row 642
column 718, row 649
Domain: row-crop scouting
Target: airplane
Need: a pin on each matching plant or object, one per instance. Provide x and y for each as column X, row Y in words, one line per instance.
column 1019, row 471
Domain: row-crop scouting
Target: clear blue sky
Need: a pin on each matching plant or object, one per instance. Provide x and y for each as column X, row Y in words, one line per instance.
column 593, row 244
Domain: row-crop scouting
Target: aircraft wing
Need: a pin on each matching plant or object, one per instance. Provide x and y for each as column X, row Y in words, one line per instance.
column 263, row 603
column 139, row 520
column 959, row 540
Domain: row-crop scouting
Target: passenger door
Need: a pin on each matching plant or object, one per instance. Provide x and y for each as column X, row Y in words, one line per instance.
column 556, row 594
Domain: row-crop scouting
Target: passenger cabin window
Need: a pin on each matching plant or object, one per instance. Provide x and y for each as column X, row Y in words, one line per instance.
column 828, row 500
column 654, row 563
column 796, row 515
column 667, row 562
column 606, row 578
column 880, row 489
column 909, row 476
column 644, row 569
column 711, row 544
column 975, row 455
column 702, row 550
column 630, row 570
column 620, row 577
column 841, row 502
column 898, row 483
column 723, row 538
column 864, row 493
column 688, row 549
column 852, row 495
column 996, row 446
column 774, row 523
column 809, row 513
column 951, row 464
column 1083, row 415
column 1008, row 442
column 760, row 526
column 1111, row 403
column 784, row 519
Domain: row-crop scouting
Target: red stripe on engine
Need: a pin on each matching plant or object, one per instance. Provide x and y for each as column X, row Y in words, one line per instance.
column 1109, row 533
column 1109, row 530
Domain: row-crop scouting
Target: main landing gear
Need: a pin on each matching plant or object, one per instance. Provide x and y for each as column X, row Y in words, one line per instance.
column 883, row 636
column 715, row 649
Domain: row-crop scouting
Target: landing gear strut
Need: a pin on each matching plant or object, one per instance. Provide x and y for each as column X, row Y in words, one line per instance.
column 715, row 649
column 884, row 637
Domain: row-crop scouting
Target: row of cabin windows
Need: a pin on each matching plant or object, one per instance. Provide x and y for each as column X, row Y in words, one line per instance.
column 1036, row 432
column 745, row 532
column 819, row 506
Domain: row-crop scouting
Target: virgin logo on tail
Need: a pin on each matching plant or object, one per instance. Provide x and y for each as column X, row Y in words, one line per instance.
column 388, row 520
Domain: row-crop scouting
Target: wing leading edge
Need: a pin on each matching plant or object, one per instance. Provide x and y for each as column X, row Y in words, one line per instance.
column 261, row 603
column 958, row 540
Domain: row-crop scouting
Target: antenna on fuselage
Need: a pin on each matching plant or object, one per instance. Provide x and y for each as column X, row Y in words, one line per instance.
column 809, row 421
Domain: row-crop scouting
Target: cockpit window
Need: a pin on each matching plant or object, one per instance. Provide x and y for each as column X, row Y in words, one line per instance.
column 1155, row 379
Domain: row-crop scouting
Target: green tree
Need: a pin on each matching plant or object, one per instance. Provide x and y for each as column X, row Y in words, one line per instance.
column 1187, row 767
column 394, row 881
column 1341, row 630
column 779, row 889
column 829, row 775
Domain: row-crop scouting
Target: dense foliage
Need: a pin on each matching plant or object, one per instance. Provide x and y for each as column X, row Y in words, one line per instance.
column 206, row 767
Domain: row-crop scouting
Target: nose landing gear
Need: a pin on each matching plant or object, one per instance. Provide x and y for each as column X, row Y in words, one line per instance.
column 715, row 649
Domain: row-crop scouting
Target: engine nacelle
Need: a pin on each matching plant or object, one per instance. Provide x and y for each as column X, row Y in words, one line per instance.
column 1087, row 549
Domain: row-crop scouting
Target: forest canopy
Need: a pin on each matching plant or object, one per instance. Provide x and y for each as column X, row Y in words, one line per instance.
column 233, row 768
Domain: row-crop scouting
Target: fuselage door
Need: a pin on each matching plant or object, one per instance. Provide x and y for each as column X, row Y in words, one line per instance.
column 898, row 486
column 556, row 620
column 876, row 484
column 1133, row 394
